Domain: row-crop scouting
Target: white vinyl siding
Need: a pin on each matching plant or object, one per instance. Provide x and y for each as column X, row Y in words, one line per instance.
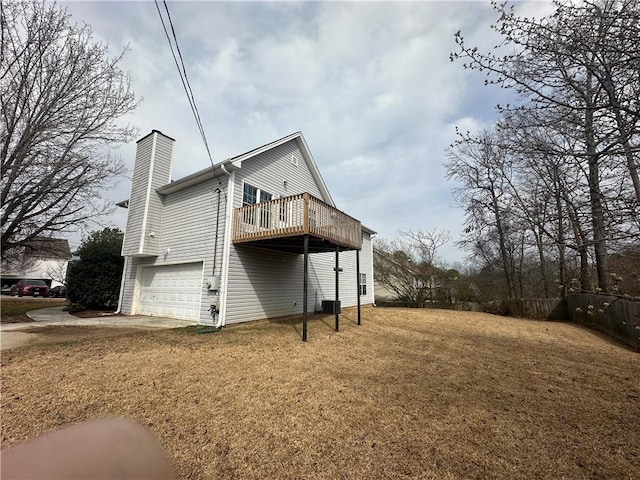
column 322, row 275
column 161, row 176
column 270, row 170
column 129, row 285
column 265, row 284
column 144, row 219
column 262, row 285
column 137, row 198
column 187, row 236
column 189, row 223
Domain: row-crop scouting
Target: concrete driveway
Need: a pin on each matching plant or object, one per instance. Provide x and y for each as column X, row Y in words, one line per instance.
column 14, row 335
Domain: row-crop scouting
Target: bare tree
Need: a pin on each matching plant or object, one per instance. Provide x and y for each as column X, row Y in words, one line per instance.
column 477, row 162
column 550, row 179
column 424, row 244
column 578, row 67
column 61, row 95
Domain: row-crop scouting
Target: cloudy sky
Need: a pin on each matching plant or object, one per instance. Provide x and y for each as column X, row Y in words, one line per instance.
column 370, row 85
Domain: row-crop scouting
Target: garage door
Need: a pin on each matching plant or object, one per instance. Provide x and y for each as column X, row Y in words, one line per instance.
column 172, row 291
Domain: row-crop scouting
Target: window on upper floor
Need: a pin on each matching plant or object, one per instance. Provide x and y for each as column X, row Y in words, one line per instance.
column 252, row 195
column 249, row 195
column 265, row 196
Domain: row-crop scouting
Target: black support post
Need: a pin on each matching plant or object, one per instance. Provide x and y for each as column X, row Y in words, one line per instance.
column 336, row 308
column 358, row 282
column 305, row 288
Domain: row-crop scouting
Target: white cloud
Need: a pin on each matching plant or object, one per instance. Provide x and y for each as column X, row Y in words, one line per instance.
column 370, row 85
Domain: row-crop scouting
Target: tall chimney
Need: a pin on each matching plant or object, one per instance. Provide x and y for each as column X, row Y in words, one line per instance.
column 151, row 170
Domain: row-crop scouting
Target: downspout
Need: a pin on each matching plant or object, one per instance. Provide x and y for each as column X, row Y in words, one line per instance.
column 220, row 319
column 215, row 261
column 124, row 273
column 226, row 249
column 373, row 281
column 215, row 246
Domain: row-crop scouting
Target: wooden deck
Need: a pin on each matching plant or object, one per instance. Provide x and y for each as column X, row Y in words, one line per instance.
column 295, row 216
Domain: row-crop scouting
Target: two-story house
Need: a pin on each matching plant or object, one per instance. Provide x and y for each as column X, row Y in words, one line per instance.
column 255, row 236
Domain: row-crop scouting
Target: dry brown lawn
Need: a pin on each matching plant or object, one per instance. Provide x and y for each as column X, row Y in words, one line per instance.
column 14, row 309
column 409, row 394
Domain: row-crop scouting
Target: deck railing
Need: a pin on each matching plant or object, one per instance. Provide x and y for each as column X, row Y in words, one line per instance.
column 292, row 216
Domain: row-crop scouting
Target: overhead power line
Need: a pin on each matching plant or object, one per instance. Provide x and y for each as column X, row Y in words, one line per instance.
column 183, row 73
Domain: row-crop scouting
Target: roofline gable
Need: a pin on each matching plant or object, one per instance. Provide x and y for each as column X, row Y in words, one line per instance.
column 315, row 172
column 306, row 153
column 235, row 163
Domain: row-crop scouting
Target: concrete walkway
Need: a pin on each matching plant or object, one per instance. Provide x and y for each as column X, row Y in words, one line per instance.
column 17, row 334
column 57, row 316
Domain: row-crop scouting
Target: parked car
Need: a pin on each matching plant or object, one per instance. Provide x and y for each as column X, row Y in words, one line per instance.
column 35, row 288
column 58, row 292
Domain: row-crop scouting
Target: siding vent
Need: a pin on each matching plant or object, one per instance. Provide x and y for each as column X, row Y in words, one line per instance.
column 294, row 160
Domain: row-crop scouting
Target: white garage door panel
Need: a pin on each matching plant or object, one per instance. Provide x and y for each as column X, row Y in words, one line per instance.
column 172, row 291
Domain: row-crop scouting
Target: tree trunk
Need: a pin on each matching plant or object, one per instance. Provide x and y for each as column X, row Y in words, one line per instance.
column 506, row 265
column 543, row 268
column 581, row 247
column 595, row 194
column 520, row 271
column 561, row 239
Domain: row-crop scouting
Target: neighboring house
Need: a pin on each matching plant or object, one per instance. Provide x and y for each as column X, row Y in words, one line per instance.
column 384, row 295
column 40, row 259
column 400, row 281
column 397, row 281
column 234, row 236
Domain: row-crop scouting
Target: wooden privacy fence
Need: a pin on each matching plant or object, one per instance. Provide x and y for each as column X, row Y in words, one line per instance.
column 535, row 308
column 616, row 316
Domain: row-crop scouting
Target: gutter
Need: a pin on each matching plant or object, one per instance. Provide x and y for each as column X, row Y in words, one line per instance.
column 197, row 178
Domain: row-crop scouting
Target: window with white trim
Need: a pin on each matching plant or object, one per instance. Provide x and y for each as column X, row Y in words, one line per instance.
column 252, row 195
column 249, row 195
column 363, row 284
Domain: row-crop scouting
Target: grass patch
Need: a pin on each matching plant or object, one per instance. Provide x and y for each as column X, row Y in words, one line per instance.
column 409, row 394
